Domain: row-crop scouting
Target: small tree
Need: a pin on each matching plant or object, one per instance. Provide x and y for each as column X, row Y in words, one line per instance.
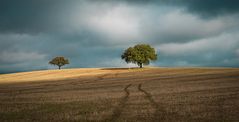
column 59, row 61
column 139, row 54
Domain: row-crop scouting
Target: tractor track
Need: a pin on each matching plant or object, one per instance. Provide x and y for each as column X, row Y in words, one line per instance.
column 159, row 110
column 122, row 103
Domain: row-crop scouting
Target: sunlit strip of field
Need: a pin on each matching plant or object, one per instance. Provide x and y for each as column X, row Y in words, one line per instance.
column 52, row 74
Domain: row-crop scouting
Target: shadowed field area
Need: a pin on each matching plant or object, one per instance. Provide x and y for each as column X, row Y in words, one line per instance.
column 150, row 94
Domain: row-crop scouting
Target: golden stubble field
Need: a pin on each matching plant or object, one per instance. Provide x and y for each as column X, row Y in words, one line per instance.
column 108, row 95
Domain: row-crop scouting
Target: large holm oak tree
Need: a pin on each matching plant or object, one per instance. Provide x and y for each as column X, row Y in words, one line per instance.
column 59, row 61
column 140, row 54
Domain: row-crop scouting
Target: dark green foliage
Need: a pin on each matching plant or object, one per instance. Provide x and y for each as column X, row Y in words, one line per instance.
column 139, row 54
column 59, row 61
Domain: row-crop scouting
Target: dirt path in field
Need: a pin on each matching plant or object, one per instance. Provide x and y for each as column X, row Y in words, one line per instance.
column 158, row 110
column 118, row 110
column 157, row 115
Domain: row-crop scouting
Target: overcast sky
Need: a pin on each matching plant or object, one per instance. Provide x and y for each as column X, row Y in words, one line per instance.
column 94, row 33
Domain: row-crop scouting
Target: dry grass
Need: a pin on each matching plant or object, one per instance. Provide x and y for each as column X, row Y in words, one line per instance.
column 53, row 74
column 152, row 94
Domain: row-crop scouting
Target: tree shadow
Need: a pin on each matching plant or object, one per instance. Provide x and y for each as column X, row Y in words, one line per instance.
column 119, row 68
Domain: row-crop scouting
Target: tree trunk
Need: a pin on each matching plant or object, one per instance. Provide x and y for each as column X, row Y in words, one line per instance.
column 59, row 67
column 141, row 65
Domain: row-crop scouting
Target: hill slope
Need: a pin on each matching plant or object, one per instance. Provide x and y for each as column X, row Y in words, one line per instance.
column 154, row 94
column 53, row 74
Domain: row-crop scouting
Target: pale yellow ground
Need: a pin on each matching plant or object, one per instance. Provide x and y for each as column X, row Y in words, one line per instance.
column 55, row 74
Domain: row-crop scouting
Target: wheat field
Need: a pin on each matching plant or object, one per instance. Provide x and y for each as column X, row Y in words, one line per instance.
column 121, row 95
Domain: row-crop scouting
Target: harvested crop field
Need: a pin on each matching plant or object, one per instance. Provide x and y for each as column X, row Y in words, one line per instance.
column 135, row 95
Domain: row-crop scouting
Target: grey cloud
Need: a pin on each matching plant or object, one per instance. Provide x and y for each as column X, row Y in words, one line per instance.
column 21, row 61
column 177, row 26
column 222, row 43
column 216, row 51
column 20, row 56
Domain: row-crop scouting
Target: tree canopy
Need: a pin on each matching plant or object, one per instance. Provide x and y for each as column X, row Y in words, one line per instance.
column 59, row 61
column 140, row 54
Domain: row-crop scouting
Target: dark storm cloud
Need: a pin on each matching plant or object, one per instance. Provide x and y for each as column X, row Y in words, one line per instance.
column 35, row 16
column 211, row 7
column 202, row 7
column 31, row 16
